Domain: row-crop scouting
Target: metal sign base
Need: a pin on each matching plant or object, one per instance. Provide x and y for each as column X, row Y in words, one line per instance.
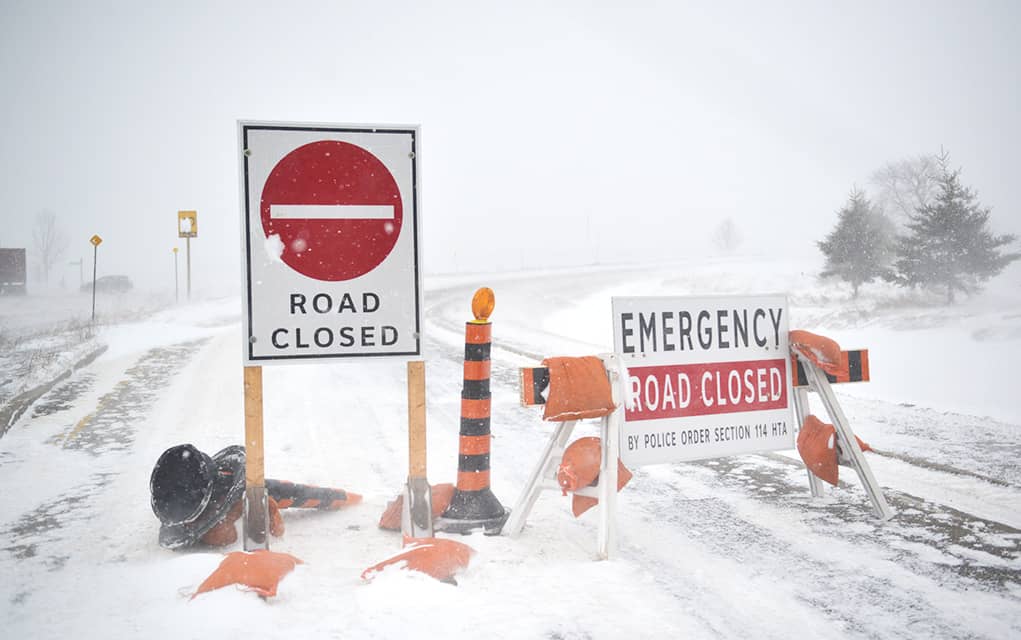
column 255, row 522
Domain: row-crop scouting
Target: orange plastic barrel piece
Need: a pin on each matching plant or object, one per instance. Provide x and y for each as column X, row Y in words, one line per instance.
column 438, row 557
column 441, row 495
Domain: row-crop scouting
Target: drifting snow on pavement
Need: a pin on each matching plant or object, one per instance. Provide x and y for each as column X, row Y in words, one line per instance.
column 733, row 547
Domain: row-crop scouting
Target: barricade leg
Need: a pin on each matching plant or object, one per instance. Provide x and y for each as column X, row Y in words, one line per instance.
column 847, row 440
column 802, row 409
column 607, row 537
column 541, row 474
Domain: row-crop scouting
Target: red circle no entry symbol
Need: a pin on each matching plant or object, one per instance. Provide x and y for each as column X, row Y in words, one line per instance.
column 336, row 209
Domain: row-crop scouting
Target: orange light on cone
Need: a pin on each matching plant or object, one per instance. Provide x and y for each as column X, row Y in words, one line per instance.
column 483, row 303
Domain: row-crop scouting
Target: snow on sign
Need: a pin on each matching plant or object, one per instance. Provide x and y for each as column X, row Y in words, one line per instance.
column 330, row 241
column 710, row 376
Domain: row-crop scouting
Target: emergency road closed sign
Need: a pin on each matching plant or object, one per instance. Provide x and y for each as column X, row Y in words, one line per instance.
column 330, row 241
column 708, row 376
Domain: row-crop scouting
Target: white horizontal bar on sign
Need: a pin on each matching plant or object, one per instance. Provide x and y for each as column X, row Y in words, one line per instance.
column 331, row 211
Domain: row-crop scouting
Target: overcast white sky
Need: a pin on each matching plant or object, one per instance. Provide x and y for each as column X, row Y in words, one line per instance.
column 552, row 133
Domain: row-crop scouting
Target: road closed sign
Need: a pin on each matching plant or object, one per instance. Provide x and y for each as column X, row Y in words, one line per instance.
column 330, row 239
column 709, row 376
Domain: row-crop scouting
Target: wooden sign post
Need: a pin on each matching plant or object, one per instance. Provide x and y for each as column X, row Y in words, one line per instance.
column 256, row 518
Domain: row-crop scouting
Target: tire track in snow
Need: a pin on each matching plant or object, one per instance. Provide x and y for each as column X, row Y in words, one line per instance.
column 42, row 539
column 894, row 587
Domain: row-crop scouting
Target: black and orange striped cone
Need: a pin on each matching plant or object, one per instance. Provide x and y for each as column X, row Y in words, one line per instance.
column 473, row 505
column 291, row 495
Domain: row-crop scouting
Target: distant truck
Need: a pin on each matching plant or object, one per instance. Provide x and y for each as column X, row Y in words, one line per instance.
column 12, row 272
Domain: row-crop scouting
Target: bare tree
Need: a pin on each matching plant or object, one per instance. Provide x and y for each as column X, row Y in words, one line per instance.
column 902, row 187
column 50, row 242
column 726, row 237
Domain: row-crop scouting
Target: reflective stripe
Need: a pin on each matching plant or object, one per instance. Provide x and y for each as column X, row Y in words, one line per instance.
column 475, row 408
column 477, row 369
column 474, row 445
column 478, row 333
column 472, row 480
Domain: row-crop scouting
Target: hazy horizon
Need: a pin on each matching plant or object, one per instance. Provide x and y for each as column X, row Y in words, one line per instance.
column 551, row 135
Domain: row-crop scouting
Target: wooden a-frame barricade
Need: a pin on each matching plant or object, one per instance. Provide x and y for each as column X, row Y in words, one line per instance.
column 543, row 476
column 808, row 377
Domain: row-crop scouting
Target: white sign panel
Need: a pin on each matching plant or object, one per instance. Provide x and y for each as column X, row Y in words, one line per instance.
column 710, row 376
column 330, row 240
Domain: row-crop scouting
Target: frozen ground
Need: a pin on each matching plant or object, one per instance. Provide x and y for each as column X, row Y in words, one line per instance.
column 732, row 548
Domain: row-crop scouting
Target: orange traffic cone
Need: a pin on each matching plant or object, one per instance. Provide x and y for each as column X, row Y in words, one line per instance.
column 473, row 505
column 579, row 468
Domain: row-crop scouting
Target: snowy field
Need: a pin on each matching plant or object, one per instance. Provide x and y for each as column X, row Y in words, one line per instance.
column 727, row 548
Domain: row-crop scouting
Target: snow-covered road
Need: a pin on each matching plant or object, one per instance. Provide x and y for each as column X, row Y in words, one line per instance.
column 733, row 547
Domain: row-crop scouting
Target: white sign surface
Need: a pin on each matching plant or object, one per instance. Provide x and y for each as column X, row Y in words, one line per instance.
column 330, row 242
column 710, row 376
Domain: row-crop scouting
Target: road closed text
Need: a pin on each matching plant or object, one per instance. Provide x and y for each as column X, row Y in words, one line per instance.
column 676, row 391
column 346, row 334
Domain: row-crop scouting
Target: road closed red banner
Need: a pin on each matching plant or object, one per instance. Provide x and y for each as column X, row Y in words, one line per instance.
column 678, row 391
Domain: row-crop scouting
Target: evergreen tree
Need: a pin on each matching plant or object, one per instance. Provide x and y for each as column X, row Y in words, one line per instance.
column 949, row 245
column 859, row 248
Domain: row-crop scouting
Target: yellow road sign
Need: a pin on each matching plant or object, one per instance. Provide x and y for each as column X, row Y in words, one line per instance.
column 187, row 224
column 95, row 240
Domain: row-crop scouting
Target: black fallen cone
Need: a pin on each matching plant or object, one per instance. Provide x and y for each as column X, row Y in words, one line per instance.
column 291, row 495
column 473, row 505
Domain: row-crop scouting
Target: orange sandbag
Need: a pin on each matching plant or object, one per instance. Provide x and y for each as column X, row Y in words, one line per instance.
column 817, row 444
column 260, row 570
column 225, row 533
column 822, row 351
column 579, row 468
column 578, row 389
column 441, row 496
column 581, row 504
column 438, row 557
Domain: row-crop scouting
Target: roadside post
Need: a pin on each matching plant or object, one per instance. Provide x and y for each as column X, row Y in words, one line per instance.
column 96, row 241
column 330, row 257
column 187, row 228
